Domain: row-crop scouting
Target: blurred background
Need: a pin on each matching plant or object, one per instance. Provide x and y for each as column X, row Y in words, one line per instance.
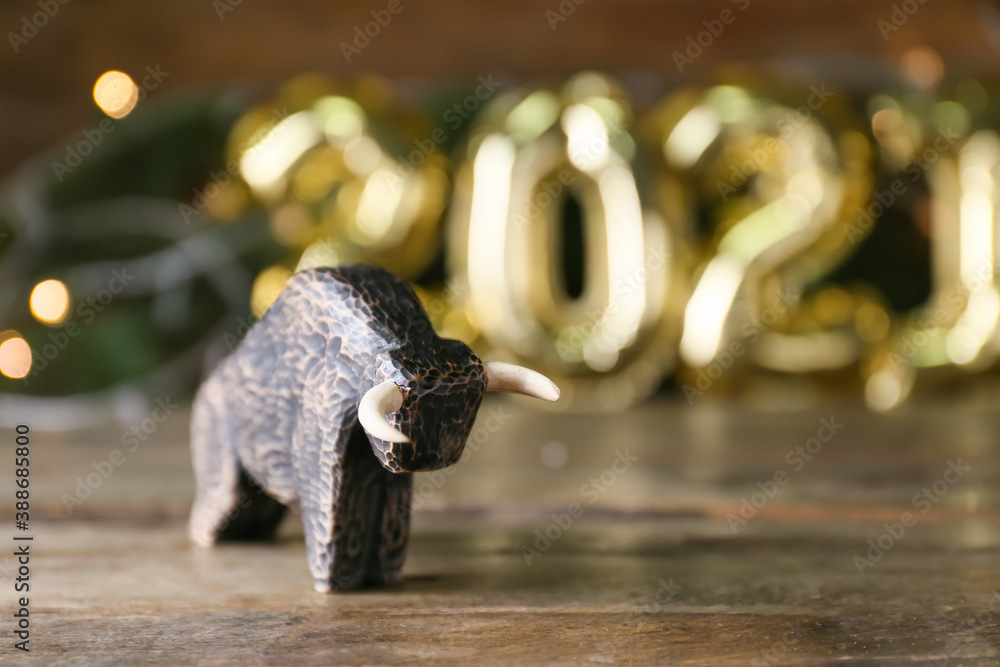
column 727, row 229
column 777, row 203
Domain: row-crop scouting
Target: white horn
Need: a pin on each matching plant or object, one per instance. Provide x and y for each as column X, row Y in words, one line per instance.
column 377, row 402
column 508, row 377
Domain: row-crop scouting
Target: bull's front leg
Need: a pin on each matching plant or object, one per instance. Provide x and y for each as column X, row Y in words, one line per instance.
column 348, row 501
column 394, row 531
column 355, row 533
column 371, row 521
column 319, row 448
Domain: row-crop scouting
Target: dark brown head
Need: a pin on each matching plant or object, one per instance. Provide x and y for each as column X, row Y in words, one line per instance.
column 421, row 417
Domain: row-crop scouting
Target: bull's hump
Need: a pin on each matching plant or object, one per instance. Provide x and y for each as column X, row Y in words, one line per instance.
column 374, row 296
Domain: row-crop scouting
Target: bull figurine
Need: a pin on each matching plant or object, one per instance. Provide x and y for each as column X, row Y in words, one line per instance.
column 331, row 401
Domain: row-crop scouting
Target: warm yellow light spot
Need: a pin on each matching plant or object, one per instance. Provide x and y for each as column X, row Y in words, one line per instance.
column 586, row 137
column 267, row 287
column 532, row 116
column 886, row 123
column 883, row 391
column 116, row 94
column 292, row 225
column 362, row 155
column 833, row 306
column 693, row 134
column 265, row 164
column 923, row 66
column 872, row 323
column 325, row 252
column 708, row 308
column 15, row 358
column 50, row 302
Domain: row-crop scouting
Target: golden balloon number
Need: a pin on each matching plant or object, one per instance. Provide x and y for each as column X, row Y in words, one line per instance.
column 775, row 185
column 337, row 191
column 959, row 325
column 529, row 155
column 716, row 255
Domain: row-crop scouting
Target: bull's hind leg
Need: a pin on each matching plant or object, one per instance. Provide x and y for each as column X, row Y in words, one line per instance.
column 230, row 505
column 256, row 515
column 216, row 466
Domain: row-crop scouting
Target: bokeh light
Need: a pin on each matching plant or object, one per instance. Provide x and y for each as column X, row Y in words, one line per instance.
column 267, row 287
column 554, row 454
column 50, row 302
column 116, row 94
column 15, row 357
column 923, row 66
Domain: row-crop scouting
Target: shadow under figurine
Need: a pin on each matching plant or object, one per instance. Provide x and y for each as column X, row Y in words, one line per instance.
column 334, row 397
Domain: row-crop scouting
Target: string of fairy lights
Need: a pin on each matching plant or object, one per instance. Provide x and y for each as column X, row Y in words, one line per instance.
column 116, row 95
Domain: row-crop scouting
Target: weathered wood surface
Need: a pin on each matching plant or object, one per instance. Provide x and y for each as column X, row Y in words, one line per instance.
column 116, row 582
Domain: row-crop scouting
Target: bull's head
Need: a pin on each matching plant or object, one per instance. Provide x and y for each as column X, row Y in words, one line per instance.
column 421, row 417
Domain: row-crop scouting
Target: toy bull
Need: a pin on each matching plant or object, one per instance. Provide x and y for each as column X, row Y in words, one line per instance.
column 333, row 398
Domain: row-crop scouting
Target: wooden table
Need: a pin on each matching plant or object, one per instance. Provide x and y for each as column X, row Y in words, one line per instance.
column 654, row 568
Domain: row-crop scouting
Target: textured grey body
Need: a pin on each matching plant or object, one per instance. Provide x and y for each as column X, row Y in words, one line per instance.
column 275, row 424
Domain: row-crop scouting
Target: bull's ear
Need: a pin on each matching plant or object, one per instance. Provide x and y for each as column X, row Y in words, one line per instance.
column 378, row 402
column 508, row 377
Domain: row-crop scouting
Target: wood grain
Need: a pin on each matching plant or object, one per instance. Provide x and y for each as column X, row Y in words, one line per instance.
column 117, row 582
